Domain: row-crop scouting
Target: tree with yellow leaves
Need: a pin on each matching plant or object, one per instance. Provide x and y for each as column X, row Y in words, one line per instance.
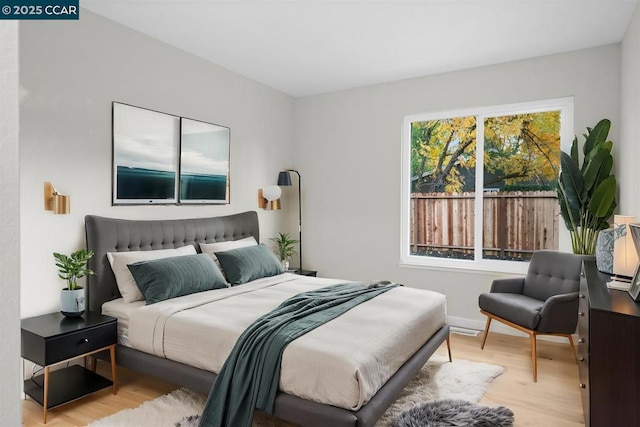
column 518, row 149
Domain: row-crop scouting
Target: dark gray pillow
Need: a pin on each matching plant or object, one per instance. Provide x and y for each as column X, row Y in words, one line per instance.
column 165, row 278
column 245, row 264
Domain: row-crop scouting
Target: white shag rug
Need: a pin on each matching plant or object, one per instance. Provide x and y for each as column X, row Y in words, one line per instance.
column 438, row 379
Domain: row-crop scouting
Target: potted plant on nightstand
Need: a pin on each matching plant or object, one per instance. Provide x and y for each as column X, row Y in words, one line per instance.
column 71, row 268
column 286, row 248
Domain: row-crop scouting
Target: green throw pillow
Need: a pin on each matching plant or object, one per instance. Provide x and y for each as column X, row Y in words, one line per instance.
column 165, row 278
column 250, row 263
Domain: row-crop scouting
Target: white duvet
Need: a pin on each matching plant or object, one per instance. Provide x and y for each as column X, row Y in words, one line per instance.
column 342, row 363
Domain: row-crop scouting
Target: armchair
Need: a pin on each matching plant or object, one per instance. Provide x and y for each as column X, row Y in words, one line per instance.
column 544, row 302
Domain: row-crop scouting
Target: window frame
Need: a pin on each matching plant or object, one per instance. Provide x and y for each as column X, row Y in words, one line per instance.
column 564, row 105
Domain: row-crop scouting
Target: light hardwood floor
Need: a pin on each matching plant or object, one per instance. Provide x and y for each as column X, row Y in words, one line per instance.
column 553, row 401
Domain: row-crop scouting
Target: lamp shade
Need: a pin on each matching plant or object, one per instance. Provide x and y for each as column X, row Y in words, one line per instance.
column 271, row 193
column 284, row 179
column 625, row 257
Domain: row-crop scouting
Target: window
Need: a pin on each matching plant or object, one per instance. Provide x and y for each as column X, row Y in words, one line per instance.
column 479, row 186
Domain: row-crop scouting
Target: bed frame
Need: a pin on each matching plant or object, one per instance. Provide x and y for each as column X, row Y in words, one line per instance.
column 111, row 235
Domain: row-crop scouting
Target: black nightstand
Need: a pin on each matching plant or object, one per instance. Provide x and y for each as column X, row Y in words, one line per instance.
column 311, row 273
column 51, row 339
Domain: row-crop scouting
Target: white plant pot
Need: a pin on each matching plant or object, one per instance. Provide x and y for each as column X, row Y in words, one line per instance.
column 72, row 302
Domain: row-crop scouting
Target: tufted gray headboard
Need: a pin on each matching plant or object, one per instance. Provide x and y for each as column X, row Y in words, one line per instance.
column 122, row 235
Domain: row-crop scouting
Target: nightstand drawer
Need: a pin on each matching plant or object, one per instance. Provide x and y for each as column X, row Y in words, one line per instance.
column 52, row 338
column 81, row 342
column 583, row 317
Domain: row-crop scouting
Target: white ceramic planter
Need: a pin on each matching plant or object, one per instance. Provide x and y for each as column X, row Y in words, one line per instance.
column 72, row 302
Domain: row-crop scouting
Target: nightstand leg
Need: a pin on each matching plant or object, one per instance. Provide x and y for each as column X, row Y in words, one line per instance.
column 92, row 360
column 24, row 374
column 46, row 394
column 112, row 352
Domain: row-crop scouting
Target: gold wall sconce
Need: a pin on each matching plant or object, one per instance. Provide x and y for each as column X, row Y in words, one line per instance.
column 54, row 201
column 269, row 198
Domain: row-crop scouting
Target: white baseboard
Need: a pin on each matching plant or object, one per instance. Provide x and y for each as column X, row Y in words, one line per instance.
column 465, row 331
column 478, row 325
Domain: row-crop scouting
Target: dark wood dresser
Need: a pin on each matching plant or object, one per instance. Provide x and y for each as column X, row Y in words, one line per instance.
column 608, row 352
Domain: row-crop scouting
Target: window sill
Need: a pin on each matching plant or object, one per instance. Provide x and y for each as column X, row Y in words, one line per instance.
column 483, row 267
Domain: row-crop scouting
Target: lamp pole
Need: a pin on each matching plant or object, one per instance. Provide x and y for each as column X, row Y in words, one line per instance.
column 284, row 179
column 299, row 214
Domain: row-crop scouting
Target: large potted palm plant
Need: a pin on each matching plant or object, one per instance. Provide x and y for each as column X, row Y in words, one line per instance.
column 71, row 268
column 587, row 192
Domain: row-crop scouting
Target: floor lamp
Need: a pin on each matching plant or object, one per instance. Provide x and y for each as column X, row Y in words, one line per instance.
column 284, row 180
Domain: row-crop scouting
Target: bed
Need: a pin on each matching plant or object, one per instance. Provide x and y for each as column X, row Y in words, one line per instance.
column 108, row 235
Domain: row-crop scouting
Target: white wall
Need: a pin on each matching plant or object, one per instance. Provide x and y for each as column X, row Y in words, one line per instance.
column 10, row 409
column 628, row 152
column 348, row 152
column 70, row 72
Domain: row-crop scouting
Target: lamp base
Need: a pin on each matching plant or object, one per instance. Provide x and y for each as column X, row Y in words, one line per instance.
column 619, row 284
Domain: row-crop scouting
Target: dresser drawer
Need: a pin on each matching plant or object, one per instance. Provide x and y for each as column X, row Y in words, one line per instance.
column 52, row 338
column 74, row 344
column 583, row 317
column 583, row 371
column 584, row 396
column 583, row 345
column 583, row 329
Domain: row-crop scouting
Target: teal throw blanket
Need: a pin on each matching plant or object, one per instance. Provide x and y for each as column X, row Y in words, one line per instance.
column 249, row 378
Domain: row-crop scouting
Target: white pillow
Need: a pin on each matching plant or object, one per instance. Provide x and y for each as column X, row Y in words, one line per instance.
column 126, row 284
column 211, row 248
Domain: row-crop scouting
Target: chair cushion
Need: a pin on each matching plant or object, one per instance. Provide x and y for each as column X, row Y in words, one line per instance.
column 552, row 273
column 519, row 309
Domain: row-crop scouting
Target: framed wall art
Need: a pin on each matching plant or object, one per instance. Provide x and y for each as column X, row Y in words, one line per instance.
column 204, row 162
column 160, row 158
column 145, row 155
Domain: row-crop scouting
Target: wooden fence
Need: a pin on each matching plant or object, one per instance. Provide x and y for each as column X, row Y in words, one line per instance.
column 516, row 223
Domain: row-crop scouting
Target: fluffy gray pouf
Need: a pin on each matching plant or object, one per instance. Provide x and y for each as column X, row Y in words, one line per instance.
column 447, row 413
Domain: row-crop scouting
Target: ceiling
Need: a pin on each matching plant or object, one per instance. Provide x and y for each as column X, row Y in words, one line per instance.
column 305, row 47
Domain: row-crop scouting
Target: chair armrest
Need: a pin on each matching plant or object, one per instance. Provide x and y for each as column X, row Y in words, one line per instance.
column 512, row 285
column 559, row 314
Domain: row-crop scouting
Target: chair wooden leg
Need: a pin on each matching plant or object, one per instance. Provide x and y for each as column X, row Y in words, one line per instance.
column 573, row 347
column 449, row 348
column 486, row 332
column 534, row 357
column 533, row 335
